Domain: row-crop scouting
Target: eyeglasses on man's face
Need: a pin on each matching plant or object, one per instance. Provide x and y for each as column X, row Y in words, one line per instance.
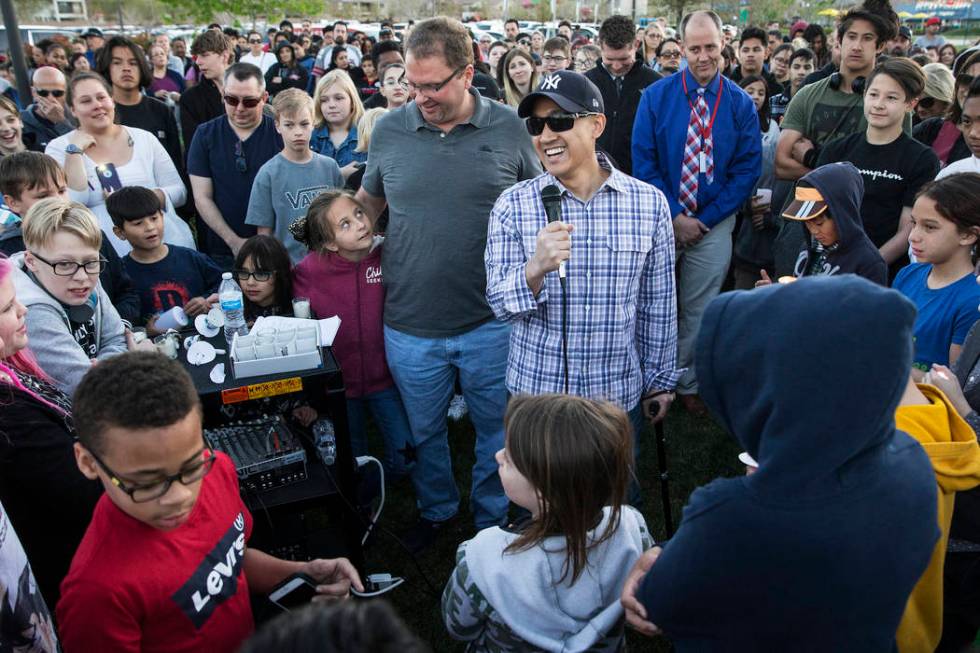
column 247, row 102
column 431, row 89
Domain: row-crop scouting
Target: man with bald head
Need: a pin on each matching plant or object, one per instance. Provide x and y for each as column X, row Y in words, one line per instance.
column 48, row 116
column 696, row 138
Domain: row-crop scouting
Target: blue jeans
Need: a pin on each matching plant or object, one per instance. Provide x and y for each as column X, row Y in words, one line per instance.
column 425, row 371
column 389, row 414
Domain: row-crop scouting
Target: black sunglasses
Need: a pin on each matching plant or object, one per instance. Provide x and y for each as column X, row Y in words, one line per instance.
column 557, row 122
column 927, row 102
column 248, row 102
column 240, row 163
column 963, row 79
column 43, row 92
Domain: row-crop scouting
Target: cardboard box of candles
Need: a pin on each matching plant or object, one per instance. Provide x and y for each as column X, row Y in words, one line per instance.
column 275, row 346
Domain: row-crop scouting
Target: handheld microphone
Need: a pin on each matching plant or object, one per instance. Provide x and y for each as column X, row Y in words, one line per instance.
column 551, row 198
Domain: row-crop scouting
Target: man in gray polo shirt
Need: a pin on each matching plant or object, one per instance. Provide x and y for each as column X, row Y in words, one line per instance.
column 440, row 162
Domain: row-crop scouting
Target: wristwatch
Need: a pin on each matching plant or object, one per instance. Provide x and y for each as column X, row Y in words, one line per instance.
column 73, row 149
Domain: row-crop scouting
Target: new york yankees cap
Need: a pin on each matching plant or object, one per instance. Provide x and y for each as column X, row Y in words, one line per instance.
column 571, row 91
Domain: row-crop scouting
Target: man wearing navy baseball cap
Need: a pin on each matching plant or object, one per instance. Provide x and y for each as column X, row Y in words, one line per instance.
column 608, row 258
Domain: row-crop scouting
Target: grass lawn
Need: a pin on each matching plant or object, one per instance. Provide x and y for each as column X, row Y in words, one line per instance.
column 698, row 451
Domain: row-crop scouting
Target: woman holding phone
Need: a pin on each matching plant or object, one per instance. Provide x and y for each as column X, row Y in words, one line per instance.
column 102, row 156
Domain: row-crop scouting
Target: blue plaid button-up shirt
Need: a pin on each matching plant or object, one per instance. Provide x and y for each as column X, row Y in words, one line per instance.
column 622, row 305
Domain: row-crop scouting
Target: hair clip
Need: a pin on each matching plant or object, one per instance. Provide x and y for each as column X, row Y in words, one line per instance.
column 300, row 230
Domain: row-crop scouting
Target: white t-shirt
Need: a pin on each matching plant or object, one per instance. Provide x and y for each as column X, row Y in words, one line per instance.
column 151, row 167
column 971, row 164
column 264, row 61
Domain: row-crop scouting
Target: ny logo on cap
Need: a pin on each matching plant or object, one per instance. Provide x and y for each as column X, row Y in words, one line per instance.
column 550, row 83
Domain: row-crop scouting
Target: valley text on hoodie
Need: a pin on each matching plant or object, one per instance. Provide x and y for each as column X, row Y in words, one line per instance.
column 842, row 189
column 518, row 601
column 821, row 547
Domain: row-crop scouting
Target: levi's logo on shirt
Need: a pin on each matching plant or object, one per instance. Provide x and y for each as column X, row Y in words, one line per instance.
column 216, row 579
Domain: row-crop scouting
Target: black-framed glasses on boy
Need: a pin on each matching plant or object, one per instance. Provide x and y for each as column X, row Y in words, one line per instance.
column 557, row 122
column 70, row 268
column 240, row 162
column 144, row 492
column 258, row 275
column 429, row 89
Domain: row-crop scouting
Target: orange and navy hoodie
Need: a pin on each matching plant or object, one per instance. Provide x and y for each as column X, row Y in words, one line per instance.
column 355, row 293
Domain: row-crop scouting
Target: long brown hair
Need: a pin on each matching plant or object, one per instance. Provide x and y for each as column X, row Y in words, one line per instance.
column 578, row 455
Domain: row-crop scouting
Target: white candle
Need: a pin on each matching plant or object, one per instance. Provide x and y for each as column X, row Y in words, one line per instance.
column 301, row 308
column 167, row 346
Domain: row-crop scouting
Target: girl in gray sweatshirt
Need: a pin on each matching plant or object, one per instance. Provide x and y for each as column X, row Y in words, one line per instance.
column 551, row 582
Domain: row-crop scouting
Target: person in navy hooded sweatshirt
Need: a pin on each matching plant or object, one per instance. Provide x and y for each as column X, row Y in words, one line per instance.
column 820, row 548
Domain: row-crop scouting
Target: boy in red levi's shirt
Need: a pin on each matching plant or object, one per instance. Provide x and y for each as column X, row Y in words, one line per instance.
column 342, row 276
column 164, row 564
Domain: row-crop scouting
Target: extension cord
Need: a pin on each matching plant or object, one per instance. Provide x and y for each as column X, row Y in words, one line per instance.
column 361, row 462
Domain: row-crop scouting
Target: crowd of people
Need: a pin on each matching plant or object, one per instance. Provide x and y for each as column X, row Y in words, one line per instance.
column 776, row 226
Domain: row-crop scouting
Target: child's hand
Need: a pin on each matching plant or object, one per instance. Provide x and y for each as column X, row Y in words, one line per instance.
column 132, row 345
column 151, row 327
column 335, row 578
column 943, row 378
column 196, row 306
column 305, row 415
column 764, row 281
column 636, row 614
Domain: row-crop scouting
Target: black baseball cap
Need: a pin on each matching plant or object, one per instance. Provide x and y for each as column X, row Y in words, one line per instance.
column 92, row 31
column 571, row 91
column 905, row 31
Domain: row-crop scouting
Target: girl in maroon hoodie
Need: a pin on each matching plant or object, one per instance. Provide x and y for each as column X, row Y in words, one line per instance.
column 342, row 276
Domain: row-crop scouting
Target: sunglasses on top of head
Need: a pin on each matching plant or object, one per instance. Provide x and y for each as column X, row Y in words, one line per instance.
column 247, row 102
column 557, row 122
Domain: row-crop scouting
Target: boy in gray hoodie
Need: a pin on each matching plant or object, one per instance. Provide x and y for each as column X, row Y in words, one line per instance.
column 71, row 321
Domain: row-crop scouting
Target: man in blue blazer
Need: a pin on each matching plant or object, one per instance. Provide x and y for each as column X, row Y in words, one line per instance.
column 696, row 137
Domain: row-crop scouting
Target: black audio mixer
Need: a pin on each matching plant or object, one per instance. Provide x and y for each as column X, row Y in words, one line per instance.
column 266, row 454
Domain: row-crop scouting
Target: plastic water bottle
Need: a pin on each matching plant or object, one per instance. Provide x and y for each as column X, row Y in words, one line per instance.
column 230, row 298
column 325, row 440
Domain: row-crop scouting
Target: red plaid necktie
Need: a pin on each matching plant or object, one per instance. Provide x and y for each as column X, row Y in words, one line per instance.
column 691, row 166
